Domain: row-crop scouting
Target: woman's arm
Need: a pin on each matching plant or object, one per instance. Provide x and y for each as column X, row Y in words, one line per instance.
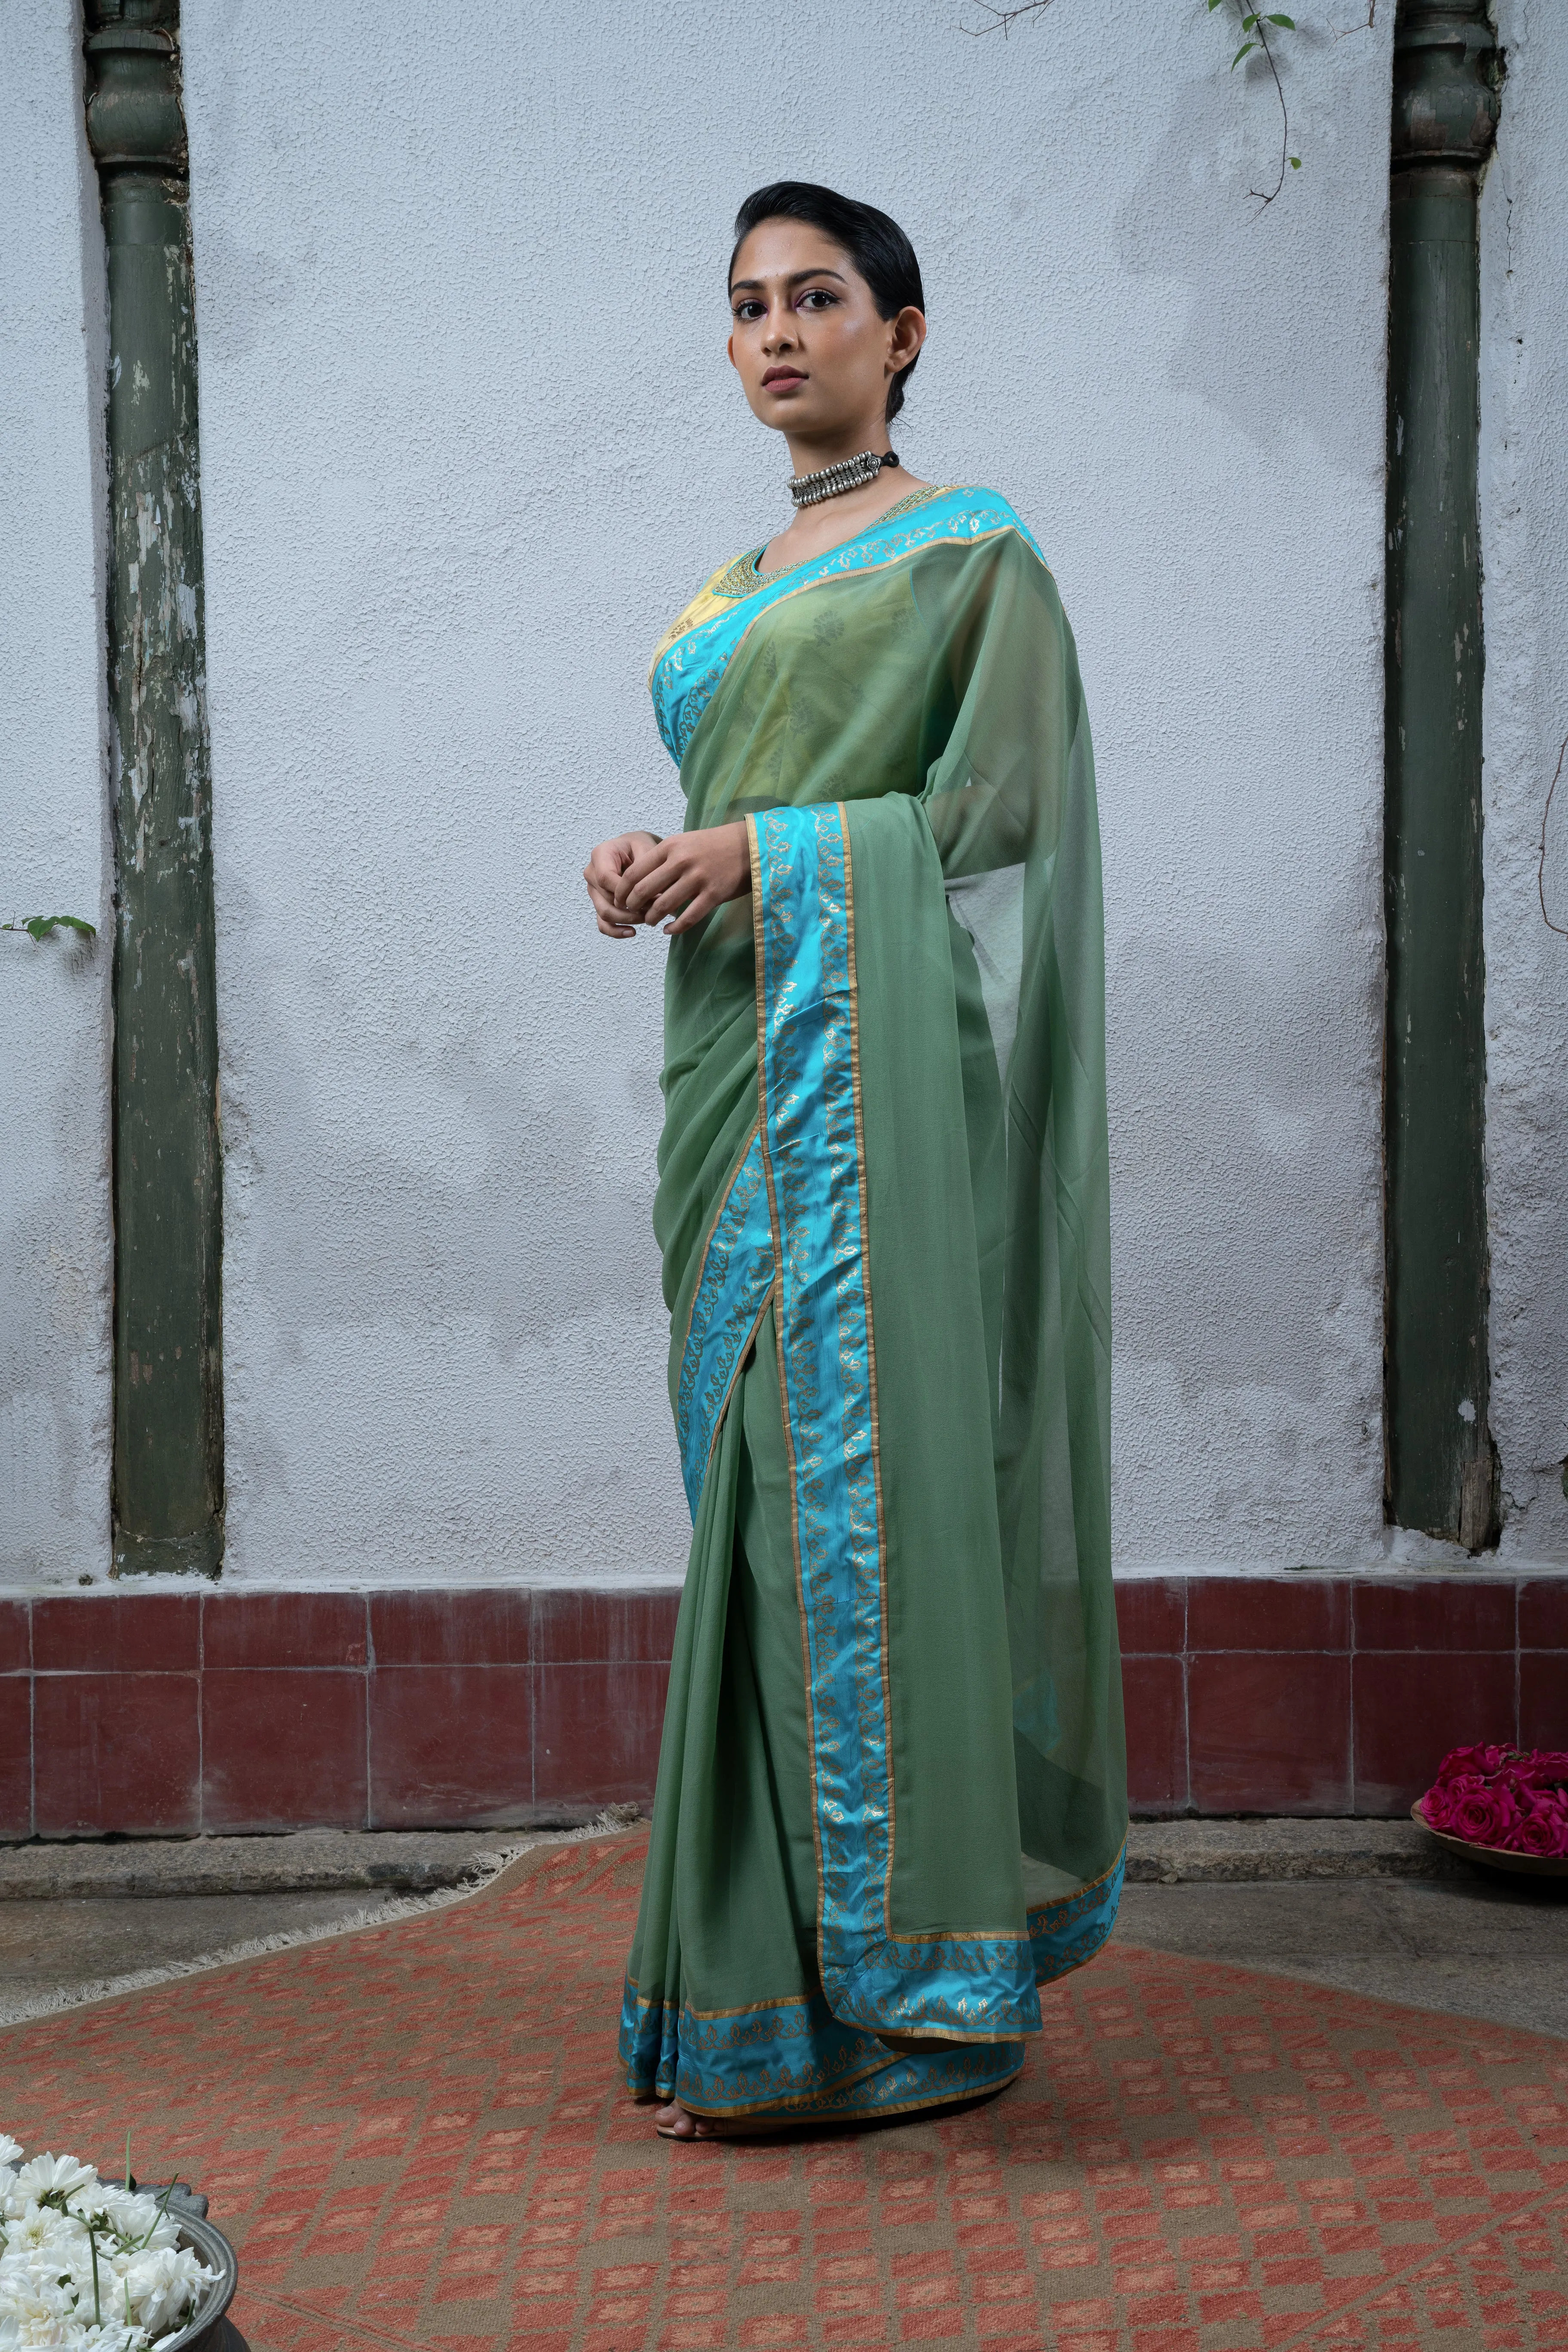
column 638, row 879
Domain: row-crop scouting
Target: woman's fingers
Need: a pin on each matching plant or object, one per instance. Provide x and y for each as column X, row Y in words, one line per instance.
column 639, row 893
column 681, row 891
column 607, row 914
column 701, row 907
column 641, row 857
column 681, row 880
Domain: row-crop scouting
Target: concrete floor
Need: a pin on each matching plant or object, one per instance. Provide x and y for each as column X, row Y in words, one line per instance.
column 1469, row 1943
column 57, row 1943
column 1476, row 1946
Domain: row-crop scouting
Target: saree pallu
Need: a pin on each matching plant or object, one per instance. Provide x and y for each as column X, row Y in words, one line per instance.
column 891, row 1794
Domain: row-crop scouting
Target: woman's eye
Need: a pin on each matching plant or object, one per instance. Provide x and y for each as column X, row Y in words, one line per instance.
column 748, row 310
column 818, row 298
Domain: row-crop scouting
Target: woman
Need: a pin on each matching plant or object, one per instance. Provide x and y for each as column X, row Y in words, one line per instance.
column 891, row 1791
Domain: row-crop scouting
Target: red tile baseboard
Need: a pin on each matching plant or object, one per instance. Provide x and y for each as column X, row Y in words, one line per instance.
column 1320, row 1693
column 173, row 1713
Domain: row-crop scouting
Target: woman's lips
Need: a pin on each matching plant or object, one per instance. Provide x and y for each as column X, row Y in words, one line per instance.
column 781, row 379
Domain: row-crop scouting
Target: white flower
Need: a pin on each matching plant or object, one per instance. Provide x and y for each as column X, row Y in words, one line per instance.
column 33, row 2320
column 54, row 2176
column 10, row 2149
column 37, row 2225
column 72, row 2246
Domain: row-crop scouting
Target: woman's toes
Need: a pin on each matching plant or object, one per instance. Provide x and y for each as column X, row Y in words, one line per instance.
column 675, row 2123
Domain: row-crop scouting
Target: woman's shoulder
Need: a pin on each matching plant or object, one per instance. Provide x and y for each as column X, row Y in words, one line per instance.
column 973, row 511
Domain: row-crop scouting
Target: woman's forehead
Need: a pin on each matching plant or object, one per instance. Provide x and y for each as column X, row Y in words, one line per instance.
column 782, row 248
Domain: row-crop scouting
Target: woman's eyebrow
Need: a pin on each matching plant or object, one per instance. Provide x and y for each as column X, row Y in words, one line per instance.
column 796, row 277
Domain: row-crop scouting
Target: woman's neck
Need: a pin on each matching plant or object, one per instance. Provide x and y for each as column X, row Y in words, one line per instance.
column 817, row 529
column 812, row 453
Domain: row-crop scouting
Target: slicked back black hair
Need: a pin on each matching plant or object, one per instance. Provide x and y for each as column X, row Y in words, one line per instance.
column 875, row 244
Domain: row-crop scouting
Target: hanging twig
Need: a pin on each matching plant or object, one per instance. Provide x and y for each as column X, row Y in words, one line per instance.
column 1003, row 14
column 1540, row 868
column 1255, row 24
column 1003, row 19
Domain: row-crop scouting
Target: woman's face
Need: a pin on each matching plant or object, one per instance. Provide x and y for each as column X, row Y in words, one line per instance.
column 811, row 351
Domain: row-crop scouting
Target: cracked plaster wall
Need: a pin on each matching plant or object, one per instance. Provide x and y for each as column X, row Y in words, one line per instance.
column 468, row 440
column 56, row 1238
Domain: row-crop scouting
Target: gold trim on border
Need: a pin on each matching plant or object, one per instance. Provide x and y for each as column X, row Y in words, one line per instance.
column 804, row 2112
column 858, row 572
column 1088, row 1885
column 851, row 959
column 734, row 1381
column 726, row 1189
column 720, row 583
column 759, row 946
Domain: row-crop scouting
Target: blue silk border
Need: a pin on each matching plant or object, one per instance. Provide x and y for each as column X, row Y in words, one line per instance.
column 793, row 1213
column 796, row 2053
column 793, row 2056
column 732, row 1287
column 979, row 1985
column 685, row 673
column 1064, row 1935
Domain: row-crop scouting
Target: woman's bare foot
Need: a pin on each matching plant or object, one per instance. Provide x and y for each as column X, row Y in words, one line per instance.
column 676, row 2122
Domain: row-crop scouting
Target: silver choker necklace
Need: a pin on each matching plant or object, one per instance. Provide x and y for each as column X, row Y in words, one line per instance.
column 832, row 481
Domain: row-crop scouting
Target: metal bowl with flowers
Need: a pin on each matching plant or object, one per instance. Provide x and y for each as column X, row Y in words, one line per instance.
column 94, row 2265
column 1504, row 1807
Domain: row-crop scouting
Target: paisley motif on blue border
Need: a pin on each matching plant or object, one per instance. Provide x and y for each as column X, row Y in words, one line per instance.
column 976, row 1984
column 794, row 2056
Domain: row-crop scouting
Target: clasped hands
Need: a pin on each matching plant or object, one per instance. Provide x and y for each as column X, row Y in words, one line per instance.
column 636, row 879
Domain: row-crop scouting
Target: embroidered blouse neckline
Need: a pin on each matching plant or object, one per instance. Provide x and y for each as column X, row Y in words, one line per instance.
column 743, row 579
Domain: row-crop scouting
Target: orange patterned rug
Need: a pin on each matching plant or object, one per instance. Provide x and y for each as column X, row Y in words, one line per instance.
column 416, row 2137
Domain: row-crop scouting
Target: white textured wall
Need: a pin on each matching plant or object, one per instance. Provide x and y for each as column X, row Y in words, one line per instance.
column 1525, row 541
column 55, row 1248
column 468, row 440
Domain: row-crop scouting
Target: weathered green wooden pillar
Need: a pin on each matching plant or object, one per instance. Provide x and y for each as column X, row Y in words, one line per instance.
column 1441, row 1474
column 168, row 1391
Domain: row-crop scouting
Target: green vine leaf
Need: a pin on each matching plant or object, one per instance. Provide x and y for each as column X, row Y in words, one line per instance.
column 38, row 927
column 1245, row 50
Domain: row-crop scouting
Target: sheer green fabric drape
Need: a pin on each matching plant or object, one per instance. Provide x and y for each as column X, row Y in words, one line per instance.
column 923, row 699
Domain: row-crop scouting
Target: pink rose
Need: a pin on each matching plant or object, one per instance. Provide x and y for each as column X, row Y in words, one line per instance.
column 1485, row 1816
column 1542, row 1831
column 1443, row 1799
column 1437, row 1808
column 1460, row 1762
column 1543, row 1769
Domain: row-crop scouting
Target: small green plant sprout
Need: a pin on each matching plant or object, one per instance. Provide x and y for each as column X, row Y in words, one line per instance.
column 1250, row 24
column 38, row 927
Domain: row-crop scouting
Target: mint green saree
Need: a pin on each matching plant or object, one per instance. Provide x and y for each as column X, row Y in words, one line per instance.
column 892, row 1790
